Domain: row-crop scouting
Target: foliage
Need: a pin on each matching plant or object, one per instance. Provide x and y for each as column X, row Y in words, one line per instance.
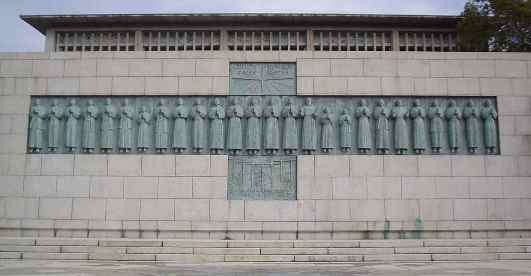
column 496, row 25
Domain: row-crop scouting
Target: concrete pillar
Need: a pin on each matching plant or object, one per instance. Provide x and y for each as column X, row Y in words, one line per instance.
column 49, row 45
column 138, row 41
column 396, row 40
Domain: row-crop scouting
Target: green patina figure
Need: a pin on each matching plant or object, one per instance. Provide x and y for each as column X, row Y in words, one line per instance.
column 345, row 130
column 144, row 120
column 327, row 130
column 489, row 116
column 235, row 114
column 417, row 114
column 363, row 113
column 180, row 137
column 36, row 127
column 54, row 126
column 272, row 132
column 382, row 128
column 73, row 112
column 471, row 116
column 309, row 128
column 216, row 115
column 291, row 139
column 162, row 129
column 198, row 114
column 125, row 127
column 453, row 115
column 89, row 128
column 399, row 113
column 108, row 115
column 435, row 114
column 253, row 114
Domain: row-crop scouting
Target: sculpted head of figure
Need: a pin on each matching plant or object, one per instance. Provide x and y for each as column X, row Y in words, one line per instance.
column 197, row 101
column 235, row 101
column 180, row 101
column 434, row 103
column 380, row 102
column 90, row 102
column 416, row 102
column 126, row 102
column 308, row 101
column 72, row 101
column 37, row 101
column 398, row 103
column 161, row 102
column 363, row 102
column 469, row 103
column 108, row 101
column 344, row 111
column 216, row 102
column 290, row 101
column 451, row 103
column 254, row 101
column 487, row 103
column 143, row 108
column 55, row 102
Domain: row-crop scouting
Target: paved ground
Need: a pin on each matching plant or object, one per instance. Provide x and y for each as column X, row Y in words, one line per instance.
column 64, row 268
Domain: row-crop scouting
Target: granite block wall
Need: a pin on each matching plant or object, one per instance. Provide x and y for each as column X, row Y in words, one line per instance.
column 338, row 197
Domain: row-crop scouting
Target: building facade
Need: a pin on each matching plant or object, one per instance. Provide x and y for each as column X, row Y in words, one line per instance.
column 263, row 126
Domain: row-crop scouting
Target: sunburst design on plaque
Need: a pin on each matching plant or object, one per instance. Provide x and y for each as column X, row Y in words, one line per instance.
column 262, row 79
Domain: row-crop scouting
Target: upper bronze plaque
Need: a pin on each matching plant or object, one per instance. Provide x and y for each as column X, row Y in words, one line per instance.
column 250, row 79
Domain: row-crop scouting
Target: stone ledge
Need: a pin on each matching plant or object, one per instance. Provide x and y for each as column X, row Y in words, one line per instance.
column 206, row 251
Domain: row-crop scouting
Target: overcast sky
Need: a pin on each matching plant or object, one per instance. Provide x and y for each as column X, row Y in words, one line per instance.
column 17, row 36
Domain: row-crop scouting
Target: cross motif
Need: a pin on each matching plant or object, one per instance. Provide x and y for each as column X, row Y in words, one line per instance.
column 280, row 81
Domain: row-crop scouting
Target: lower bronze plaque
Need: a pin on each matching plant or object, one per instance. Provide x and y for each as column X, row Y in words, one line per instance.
column 262, row 177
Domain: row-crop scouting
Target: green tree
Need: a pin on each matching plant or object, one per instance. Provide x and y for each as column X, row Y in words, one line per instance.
column 496, row 25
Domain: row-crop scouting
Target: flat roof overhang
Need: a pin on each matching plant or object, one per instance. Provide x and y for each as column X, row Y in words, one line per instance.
column 44, row 22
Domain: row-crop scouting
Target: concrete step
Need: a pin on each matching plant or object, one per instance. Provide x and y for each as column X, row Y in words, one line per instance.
column 207, row 251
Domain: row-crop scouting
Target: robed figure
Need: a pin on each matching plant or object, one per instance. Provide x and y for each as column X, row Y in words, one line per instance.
column 417, row 114
column 107, row 126
column 290, row 141
column 125, row 127
column 382, row 128
column 144, row 120
column 162, row 127
column 89, row 127
column 180, row 131
column 345, row 130
column 400, row 113
column 216, row 115
column 435, row 114
column 489, row 116
column 54, row 126
column 327, row 130
column 471, row 116
column 272, row 133
column 198, row 115
column 253, row 114
column 235, row 115
column 36, row 127
column 453, row 115
column 309, row 127
column 363, row 113
column 72, row 114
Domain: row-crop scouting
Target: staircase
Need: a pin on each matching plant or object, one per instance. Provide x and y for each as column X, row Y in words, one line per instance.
column 208, row 251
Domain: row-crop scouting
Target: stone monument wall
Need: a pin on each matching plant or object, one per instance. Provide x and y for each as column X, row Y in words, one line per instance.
column 338, row 196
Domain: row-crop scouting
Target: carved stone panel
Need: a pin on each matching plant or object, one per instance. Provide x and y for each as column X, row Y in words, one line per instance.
column 264, row 125
column 262, row 177
column 262, row 79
